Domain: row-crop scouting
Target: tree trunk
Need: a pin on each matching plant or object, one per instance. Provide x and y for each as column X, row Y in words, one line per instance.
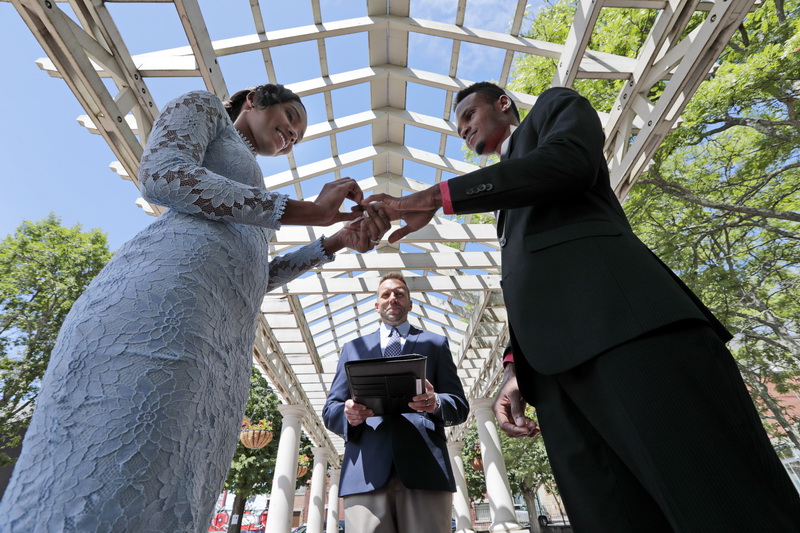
column 235, row 525
column 533, row 513
column 560, row 509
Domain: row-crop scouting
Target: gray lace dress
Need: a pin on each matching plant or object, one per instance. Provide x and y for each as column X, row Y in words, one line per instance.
column 141, row 405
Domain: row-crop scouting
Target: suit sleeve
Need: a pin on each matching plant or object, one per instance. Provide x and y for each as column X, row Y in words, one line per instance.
column 333, row 410
column 454, row 407
column 560, row 156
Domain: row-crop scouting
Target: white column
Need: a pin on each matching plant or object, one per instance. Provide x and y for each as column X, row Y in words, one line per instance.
column 281, row 505
column 461, row 497
column 501, row 504
column 333, row 502
column 316, row 502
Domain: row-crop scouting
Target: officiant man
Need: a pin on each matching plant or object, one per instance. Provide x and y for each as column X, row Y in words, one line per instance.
column 396, row 474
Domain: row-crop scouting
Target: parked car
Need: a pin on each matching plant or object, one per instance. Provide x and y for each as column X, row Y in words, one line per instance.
column 522, row 515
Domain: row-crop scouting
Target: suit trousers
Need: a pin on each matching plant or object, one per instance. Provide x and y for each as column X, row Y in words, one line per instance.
column 660, row 435
column 397, row 509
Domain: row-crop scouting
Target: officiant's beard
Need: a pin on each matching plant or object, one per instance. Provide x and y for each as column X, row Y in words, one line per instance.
column 394, row 317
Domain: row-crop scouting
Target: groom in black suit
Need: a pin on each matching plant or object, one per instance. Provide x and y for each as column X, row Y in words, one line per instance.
column 648, row 425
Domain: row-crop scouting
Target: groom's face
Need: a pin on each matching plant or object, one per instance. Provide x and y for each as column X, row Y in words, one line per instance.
column 482, row 124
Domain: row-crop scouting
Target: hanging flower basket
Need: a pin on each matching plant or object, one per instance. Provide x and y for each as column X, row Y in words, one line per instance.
column 477, row 462
column 255, row 435
column 303, row 462
column 255, row 438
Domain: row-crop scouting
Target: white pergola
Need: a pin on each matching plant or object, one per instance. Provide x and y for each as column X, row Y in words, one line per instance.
column 453, row 265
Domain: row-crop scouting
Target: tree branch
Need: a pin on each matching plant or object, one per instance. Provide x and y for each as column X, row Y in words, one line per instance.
column 682, row 192
column 765, row 127
column 780, row 11
column 745, row 37
column 762, row 392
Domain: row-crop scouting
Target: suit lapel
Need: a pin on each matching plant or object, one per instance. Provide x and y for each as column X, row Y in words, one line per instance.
column 411, row 341
column 500, row 214
column 374, row 344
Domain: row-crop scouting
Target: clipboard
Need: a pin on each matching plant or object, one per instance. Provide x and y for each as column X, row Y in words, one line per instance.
column 386, row 384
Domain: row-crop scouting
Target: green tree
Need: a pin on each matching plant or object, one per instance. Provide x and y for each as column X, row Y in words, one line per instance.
column 527, row 466
column 476, row 481
column 618, row 31
column 721, row 203
column 44, row 267
column 528, row 469
column 252, row 470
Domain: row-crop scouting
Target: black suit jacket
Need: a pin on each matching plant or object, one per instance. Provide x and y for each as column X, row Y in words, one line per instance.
column 576, row 280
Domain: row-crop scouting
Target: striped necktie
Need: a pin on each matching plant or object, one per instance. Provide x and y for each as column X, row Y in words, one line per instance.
column 393, row 346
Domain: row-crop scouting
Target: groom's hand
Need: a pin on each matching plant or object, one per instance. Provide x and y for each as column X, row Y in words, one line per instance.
column 416, row 210
column 509, row 407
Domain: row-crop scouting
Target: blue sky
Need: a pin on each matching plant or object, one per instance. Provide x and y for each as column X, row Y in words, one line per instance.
column 49, row 163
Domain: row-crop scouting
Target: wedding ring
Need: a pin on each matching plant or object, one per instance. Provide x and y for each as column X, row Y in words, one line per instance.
column 375, row 241
column 427, row 401
column 365, row 214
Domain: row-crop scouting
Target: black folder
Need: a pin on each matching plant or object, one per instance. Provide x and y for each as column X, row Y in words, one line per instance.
column 386, row 384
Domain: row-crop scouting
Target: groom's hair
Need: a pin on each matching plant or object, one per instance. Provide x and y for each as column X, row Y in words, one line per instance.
column 488, row 91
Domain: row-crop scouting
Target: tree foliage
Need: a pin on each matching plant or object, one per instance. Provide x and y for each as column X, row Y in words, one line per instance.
column 252, row 470
column 721, row 203
column 476, row 481
column 526, row 463
column 44, row 267
column 528, row 468
column 618, row 31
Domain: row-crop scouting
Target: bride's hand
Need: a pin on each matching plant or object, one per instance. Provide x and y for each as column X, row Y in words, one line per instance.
column 361, row 234
column 331, row 198
column 324, row 210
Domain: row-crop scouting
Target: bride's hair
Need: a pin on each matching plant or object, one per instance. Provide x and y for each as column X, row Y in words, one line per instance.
column 265, row 96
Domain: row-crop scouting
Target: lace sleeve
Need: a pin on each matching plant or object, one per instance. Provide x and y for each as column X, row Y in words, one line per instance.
column 285, row 268
column 171, row 172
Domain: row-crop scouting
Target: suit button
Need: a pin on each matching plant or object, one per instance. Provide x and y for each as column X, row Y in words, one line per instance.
column 481, row 187
column 489, row 187
column 470, row 191
column 502, row 242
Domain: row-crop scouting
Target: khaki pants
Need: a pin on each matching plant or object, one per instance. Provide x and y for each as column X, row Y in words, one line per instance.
column 396, row 509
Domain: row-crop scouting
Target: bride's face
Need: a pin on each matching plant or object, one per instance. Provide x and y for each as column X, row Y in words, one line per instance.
column 277, row 128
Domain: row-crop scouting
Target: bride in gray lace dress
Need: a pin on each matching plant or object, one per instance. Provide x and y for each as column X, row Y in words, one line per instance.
column 140, row 408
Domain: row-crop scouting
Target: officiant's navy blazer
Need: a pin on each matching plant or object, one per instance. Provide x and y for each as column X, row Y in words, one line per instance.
column 413, row 442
